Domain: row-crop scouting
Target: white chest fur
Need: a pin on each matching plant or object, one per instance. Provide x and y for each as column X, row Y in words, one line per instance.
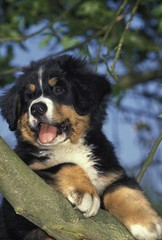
column 79, row 154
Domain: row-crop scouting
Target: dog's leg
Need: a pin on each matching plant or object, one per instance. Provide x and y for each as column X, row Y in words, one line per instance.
column 74, row 184
column 131, row 207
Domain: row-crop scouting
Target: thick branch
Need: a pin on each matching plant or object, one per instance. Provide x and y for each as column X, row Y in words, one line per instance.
column 27, row 193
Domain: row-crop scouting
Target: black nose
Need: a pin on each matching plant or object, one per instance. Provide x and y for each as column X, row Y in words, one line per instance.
column 38, row 109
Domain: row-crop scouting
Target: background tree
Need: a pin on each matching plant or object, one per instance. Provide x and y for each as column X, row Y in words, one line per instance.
column 122, row 38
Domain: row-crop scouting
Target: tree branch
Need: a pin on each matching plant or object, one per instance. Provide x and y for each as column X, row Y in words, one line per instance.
column 25, row 37
column 149, row 159
column 10, row 71
column 131, row 79
column 27, row 193
column 119, row 47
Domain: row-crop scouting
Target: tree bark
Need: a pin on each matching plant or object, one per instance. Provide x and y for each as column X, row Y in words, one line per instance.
column 32, row 198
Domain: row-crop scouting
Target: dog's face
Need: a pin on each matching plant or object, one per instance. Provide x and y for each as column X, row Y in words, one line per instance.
column 55, row 99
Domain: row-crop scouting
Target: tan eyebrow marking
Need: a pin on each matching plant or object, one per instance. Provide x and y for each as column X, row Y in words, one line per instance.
column 32, row 87
column 52, row 82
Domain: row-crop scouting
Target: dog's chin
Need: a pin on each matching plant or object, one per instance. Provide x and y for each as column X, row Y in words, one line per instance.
column 48, row 134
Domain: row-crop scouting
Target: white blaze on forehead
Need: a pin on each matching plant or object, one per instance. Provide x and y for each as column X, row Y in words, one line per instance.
column 50, row 108
column 40, row 77
column 32, row 120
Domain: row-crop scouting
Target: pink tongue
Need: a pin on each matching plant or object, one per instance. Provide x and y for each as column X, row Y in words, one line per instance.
column 47, row 133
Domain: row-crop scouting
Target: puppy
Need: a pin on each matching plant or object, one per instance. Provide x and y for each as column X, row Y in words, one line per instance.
column 57, row 108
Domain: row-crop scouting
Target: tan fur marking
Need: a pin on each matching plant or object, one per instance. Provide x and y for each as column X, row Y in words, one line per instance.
column 79, row 123
column 71, row 178
column 36, row 165
column 32, row 87
column 52, row 82
column 27, row 134
column 111, row 177
column 130, row 206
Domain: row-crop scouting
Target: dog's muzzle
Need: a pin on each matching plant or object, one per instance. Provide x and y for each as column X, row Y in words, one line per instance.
column 44, row 126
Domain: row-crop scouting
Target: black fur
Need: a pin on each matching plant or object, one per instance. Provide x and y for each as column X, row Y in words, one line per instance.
column 87, row 92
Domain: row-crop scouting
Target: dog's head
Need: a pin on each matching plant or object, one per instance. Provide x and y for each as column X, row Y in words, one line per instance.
column 55, row 99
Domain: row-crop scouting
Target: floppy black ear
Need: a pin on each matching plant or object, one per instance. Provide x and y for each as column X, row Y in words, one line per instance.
column 10, row 107
column 88, row 88
column 89, row 93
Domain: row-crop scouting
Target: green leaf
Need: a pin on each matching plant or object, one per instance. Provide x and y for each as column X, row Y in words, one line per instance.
column 67, row 41
column 45, row 41
column 160, row 116
column 157, row 11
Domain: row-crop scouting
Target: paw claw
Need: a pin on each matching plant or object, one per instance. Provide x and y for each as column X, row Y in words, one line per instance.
column 94, row 208
column 86, row 203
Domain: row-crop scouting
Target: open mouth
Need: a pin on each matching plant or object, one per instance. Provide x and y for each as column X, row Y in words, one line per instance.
column 47, row 133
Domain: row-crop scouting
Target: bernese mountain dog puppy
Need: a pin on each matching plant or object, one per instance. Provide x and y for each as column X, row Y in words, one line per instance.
column 57, row 108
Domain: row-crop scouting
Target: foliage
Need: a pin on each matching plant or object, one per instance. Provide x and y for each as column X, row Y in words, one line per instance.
column 121, row 37
column 89, row 26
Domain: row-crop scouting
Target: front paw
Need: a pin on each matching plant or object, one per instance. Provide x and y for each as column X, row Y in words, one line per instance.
column 88, row 203
column 75, row 185
column 151, row 231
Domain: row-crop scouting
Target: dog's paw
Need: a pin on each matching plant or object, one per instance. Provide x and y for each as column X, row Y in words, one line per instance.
column 151, row 231
column 75, row 185
column 87, row 203
column 133, row 209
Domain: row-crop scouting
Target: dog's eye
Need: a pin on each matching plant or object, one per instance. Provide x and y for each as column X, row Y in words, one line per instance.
column 58, row 90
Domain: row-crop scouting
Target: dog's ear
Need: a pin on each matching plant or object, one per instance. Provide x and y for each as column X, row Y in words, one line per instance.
column 10, row 107
column 88, row 88
column 89, row 93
